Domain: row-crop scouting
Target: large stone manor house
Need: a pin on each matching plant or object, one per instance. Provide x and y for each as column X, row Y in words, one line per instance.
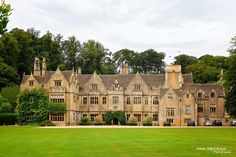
column 165, row 97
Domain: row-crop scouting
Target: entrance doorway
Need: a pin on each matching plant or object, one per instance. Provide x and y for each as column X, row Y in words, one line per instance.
column 115, row 121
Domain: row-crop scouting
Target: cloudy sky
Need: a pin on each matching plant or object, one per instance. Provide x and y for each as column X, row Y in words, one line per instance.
column 193, row 27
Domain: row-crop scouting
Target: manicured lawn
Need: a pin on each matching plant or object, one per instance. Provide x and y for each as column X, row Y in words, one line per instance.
column 123, row 142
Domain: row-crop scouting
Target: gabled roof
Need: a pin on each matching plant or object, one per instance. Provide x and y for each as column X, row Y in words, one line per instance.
column 207, row 88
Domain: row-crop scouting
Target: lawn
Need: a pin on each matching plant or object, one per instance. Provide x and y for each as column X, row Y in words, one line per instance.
column 112, row 142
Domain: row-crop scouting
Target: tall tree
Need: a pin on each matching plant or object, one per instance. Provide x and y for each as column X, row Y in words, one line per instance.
column 8, row 76
column 152, row 61
column 72, row 49
column 230, row 80
column 92, row 56
column 184, row 61
column 5, row 12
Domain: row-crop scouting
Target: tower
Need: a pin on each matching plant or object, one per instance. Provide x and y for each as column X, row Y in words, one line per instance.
column 173, row 76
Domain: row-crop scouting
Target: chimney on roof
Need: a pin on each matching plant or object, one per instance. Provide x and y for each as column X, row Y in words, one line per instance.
column 36, row 67
column 79, row 70
column 44, row 67
column 124, row 70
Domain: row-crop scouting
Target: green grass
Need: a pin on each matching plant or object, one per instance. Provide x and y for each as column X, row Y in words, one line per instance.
column 123, row 142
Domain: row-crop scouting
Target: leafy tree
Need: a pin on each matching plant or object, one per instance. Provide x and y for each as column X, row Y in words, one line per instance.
column 8, row 76
column 123, row 56
column 71, row 48
column 203, row 73
column 10, row 93
column 152, row 61
column 184, row 61
column 92, row 57
column 5, row 106
column 230, row 84
column 232, row 48
column 32, row 103
column 5, row 12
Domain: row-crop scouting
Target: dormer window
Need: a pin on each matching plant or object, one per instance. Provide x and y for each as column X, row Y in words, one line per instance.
column 187, row 95
column 199, row 94
column 31, row 83
column 94, row 87
column 212, row 94
column 137, row 88
column 58, row 83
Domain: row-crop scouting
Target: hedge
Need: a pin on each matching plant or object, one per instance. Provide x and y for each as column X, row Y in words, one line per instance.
column 8, row 118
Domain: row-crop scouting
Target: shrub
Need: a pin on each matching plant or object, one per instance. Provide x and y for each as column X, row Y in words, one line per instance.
column 5, row 106
column 132, row 121
column 108, row 117
column 98, row 120
column 8, row 118
column 147, row 121
column 84, row 121
column 120, row 115
column 47, row 123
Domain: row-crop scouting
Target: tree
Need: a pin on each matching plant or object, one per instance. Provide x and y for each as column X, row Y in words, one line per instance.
column 92, row 57
column 5, row 12
column 184, row 61
column 72, row 49
column 152, row 61
column 230, row 84
column 8, row 76
column 34, row 104
column 123, row 56
column 5, row 106
column 10, row 93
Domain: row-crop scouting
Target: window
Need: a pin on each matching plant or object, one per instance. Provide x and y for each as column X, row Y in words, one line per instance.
column 92, row 117
column 137, row 88
column 199, row 94
column 170, row 111
column 146, row 101
column 187, row 95
column 212, row 94
column 186, row 120
column 57, row 83
column 93, row 100
column 170, row 120
column 212, row 108
column 127, row 117
column 170, row 96
column 31, row 99
column 104, row 100
column 84, row 115
column 57, row 100
column 128, row 100
column 200, row 108
column 85, row 100
column 137, row 100
column 94, row 87
column 56, row 117
column 145, row 115
column 155, row 100
column 138, row 116
column 115, row 100
column 155, row 117
column 188, row 110
column 31, row 83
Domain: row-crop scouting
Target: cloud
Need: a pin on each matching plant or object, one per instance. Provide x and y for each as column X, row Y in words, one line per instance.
column 194, row 27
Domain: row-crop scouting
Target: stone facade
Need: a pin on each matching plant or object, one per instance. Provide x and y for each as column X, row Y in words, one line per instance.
column 171, row 96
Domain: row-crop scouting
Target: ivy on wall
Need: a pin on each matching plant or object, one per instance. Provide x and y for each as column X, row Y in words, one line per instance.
column 55, row 108
column 34, row 104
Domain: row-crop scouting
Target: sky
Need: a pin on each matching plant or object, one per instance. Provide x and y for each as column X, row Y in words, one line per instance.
column 192, row 27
